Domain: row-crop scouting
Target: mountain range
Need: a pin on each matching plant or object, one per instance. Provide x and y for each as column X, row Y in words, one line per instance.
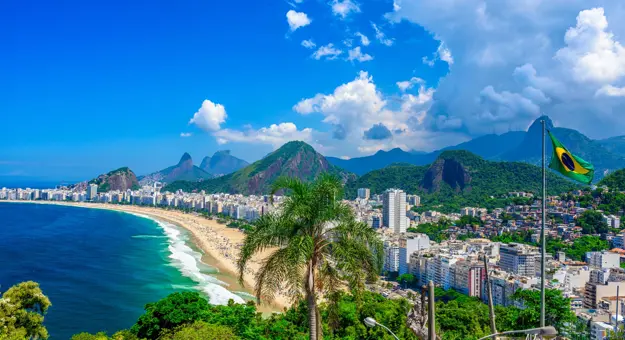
column 222, row 163
column 606, row 155
column 183, row 171
column 293, row 159
column 461, row 177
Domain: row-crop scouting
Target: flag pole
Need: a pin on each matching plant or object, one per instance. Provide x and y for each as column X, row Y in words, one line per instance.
column 542, row 235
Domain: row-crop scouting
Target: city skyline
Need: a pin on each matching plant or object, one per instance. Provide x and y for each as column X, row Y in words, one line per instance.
column 106, row 86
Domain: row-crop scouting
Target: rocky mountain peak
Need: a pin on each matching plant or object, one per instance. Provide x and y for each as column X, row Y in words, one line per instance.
column 185, row 158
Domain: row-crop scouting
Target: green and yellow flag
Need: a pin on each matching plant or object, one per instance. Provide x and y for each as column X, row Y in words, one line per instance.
column 570, row 165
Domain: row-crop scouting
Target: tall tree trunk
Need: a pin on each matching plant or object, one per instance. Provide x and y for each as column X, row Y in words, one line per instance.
column 312, row 316
column 312, row 302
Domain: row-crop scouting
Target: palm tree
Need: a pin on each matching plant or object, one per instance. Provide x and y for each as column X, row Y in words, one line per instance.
column 320, row 247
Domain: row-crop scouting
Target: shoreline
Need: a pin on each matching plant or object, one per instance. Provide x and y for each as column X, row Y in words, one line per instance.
column 218, row 243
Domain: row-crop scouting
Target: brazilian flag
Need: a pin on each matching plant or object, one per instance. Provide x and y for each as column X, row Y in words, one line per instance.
column 570, row 165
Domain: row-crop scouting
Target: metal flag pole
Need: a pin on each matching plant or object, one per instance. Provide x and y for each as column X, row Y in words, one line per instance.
column 542, row 235
column 617, row 302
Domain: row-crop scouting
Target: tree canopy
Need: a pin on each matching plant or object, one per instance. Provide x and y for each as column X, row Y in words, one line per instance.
column 592, row 222
column 22, row 309
column 319, row 246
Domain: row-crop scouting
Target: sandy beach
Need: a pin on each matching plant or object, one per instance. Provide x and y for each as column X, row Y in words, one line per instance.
column 219, row 243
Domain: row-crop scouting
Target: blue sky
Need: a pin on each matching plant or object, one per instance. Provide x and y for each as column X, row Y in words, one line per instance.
column 89, row 86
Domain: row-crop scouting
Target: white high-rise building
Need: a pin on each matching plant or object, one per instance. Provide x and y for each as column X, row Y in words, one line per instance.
column 394, row 210
column 92, row 192
column 604, row 259
column 364, row 193
column 409, row 245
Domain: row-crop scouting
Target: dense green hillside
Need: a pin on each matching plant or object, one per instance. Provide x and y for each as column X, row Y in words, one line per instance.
column 293, row 159
column 460, row 178
column 615, row 180
column 120, row 179
column 404, row 176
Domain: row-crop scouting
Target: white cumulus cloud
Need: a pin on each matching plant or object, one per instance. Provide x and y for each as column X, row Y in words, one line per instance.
column 516, row 60
column 210, row 116
column 328, row 51
column 356, row 54
column 275, row 135
column 343, row 8
column 591, row 51
column 354, row 110
column 297, row 19
column 408, row 84
column 185, row 134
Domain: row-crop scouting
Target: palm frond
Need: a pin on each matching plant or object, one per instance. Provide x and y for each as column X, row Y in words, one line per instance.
column 271, row 230
column 283, row 270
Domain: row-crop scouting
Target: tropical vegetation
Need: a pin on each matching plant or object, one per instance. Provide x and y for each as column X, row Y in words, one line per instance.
column 22, row 308
column 319, row 246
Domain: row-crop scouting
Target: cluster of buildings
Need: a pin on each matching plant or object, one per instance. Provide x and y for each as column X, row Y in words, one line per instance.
column 595, row 286
column 241, row 207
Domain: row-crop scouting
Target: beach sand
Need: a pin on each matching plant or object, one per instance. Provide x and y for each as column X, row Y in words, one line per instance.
column 219, row 243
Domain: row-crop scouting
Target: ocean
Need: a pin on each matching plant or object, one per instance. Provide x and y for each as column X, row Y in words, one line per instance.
column 98, row 267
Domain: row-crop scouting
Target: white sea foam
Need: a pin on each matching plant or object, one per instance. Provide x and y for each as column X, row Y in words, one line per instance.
column 149, row 236
column 188, row 262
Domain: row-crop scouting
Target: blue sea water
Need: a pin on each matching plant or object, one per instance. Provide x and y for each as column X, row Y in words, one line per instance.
column 99, row 268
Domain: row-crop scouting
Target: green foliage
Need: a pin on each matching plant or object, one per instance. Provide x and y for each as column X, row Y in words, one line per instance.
column 517, row 237
column 405, row 177
column 591, row 222
column 614, row 181
column 436, row 232
column 462, row 317
column 350, row 312
column 407, row 279
column 87, row 336
column 585, row 244
column 200, row 330
column 174, row 310
column 612, row 202
column 319, row 245
column 342, row 319
column 121, row 335
column 558, row 309
column 469, row 220
column 22, row 308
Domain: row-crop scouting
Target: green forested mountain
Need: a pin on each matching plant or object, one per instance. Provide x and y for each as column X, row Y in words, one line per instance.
column 293, row 159
column 400, row 175
column 460, row 178
column 615, row 180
